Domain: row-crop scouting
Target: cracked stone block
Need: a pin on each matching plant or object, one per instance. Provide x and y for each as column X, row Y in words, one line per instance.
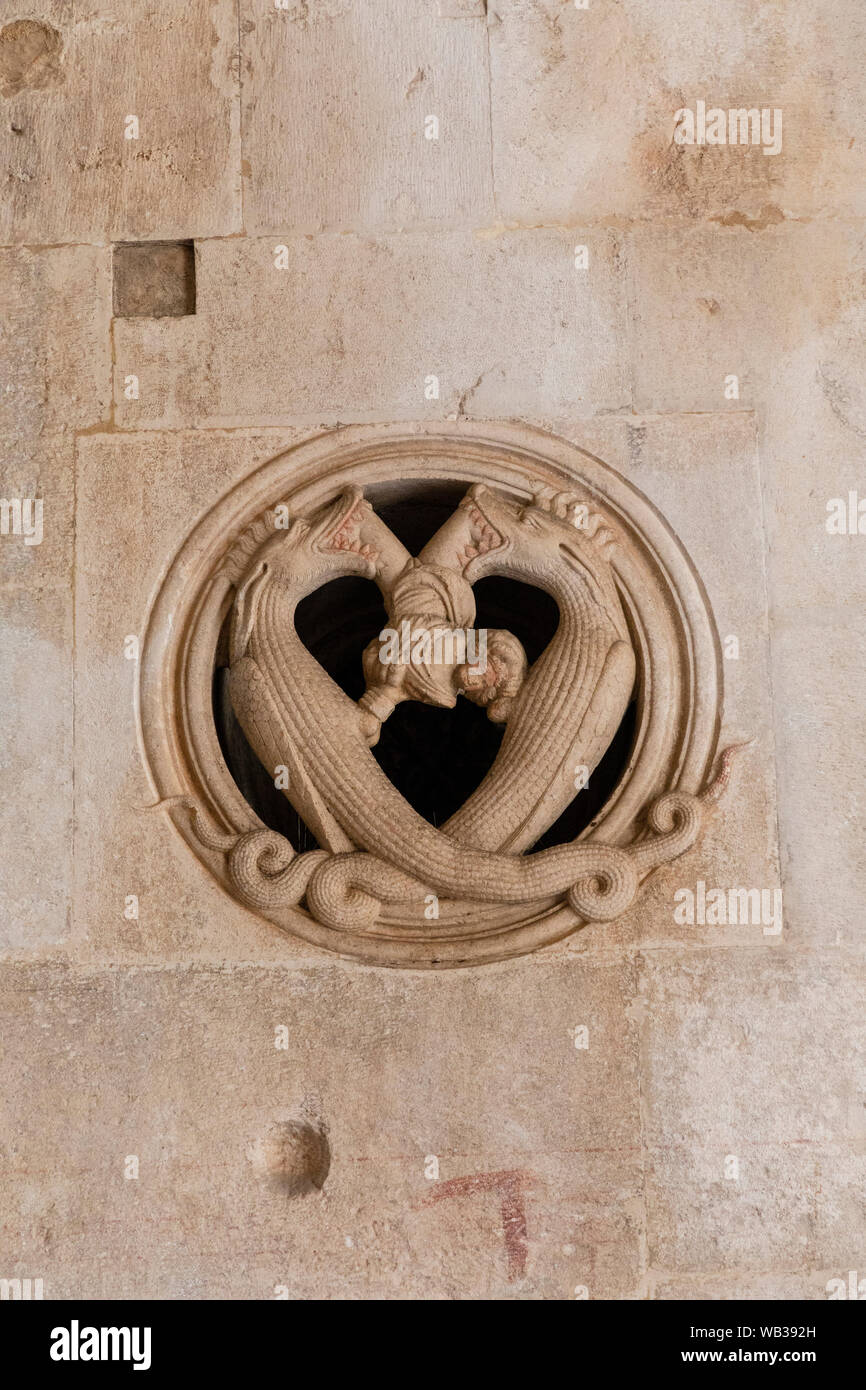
column 154, row 279
column 500, row 324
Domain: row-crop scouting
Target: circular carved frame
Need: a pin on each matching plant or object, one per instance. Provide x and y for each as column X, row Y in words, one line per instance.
column 679, row 683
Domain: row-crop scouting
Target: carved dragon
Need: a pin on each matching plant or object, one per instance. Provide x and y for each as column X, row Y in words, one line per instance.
column 563, row 712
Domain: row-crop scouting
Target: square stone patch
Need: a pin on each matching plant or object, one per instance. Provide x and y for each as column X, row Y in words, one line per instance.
column 154, row 279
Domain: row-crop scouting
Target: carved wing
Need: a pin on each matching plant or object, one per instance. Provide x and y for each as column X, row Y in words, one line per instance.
column 259, row 716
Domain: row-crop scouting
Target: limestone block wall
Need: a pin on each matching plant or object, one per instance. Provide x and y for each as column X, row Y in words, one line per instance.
column 493, row 193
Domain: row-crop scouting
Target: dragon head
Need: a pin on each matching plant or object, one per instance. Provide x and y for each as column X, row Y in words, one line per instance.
column 528, row 535
column 537, row 540
column 329, row 543
column 299, row 554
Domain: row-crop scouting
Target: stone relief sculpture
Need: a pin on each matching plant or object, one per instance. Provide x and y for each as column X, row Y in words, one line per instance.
column 377, row 855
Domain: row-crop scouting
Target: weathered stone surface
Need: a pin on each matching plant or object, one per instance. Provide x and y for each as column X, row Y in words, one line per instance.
column 36, row 638
column 337, row 100
column 813, row 418
column 71, row 173
column 186, row 1048
column 504, row 322
column 577, row 136
column 700, row 300
column 36, row 760
column 810, row 1284
column 821, row 740
column 714, row 303
column 813, row 455
column 30, row 54
column 165, row 483
column 462, row 9
column 40, row 469
column 812, row 442
column 735, row 1183
column 55, row 351
column 723, row 1029
column 793, row 1207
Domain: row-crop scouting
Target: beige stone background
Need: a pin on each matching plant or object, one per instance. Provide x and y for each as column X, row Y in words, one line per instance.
column 606, row 1168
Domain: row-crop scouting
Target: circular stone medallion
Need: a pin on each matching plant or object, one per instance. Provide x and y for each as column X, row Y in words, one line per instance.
column 373, row 879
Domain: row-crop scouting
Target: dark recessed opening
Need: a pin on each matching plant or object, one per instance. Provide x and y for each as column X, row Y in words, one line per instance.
column 434, row 757
column 154, row 279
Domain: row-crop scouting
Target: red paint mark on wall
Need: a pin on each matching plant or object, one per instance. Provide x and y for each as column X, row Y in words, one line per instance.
column 509, row 1185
